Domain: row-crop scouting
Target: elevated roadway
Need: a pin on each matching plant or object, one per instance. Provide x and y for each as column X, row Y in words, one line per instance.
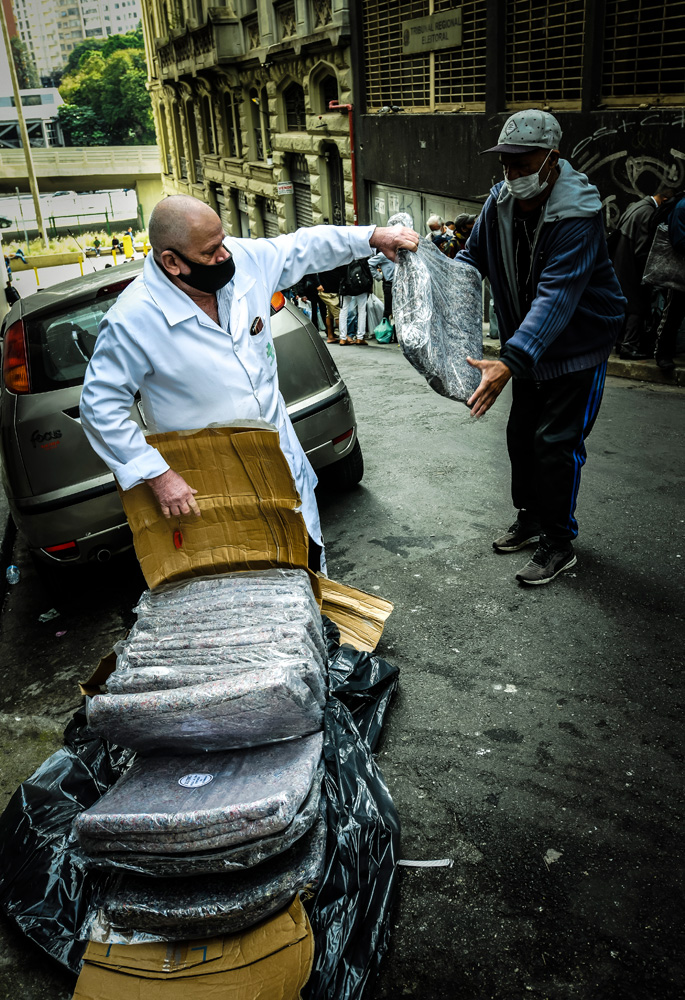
column 87, row 168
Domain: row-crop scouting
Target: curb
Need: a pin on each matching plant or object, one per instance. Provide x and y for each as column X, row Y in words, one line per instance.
column 638, row 371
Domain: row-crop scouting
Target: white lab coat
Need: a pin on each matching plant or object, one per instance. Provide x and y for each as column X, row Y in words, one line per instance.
column 192, row 372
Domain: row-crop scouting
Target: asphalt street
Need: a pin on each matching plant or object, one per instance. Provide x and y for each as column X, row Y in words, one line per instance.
column 536, row 741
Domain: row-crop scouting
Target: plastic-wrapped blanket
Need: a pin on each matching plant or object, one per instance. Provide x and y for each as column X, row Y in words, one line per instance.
column 172, row 804
column 437, row 306
column 139, row 909
column 217, row 663
column 258, row 705
column 202, row 858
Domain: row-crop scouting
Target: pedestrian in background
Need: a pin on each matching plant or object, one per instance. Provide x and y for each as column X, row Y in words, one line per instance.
column 329, row 293
column 380, row 264
column 354, row 290
column 674, row 309
column 629, row 255
column 540, row 240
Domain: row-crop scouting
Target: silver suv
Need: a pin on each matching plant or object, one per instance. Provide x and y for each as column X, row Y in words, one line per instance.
column 62, row 497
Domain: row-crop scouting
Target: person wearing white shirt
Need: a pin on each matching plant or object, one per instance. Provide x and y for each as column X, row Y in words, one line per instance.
column 192, row 334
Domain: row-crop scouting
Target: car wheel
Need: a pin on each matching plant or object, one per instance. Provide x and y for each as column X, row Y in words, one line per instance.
column 345, row 474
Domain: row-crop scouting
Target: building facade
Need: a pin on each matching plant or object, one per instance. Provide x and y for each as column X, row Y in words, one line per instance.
column 40, row 114
column 241, row 96
column 50, row 29
column 435, row 80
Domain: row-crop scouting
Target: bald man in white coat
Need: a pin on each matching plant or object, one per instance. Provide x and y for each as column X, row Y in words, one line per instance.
column 192, row 334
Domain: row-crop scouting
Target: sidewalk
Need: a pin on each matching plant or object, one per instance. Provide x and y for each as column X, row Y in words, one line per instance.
column 639, row 371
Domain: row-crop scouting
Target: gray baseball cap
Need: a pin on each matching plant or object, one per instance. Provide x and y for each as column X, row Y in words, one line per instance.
column 526, row 130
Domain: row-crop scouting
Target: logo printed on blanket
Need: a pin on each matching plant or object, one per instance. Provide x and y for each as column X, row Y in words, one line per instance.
column 195, row 780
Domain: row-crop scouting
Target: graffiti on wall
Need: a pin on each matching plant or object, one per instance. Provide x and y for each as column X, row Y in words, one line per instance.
column 632, row 159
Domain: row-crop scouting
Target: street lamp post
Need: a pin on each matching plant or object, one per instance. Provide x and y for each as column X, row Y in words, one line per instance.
column 22, row 128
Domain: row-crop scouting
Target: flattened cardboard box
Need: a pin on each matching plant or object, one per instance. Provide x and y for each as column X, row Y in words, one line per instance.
column 247, row 497
column 272, row 961
column 249, row 521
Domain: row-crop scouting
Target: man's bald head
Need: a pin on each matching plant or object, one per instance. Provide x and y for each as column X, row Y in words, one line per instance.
column 181, row 222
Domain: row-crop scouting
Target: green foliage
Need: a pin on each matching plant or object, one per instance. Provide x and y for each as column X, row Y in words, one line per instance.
column 81, row 126
column 131, row 40
column 87, row 45
column 110, row 85
column 26, row 68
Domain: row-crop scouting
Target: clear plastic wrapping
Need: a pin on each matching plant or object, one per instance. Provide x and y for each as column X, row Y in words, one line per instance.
column 437, row 306
column 217, row 663
column 138, row 909
column 258, row 705
column 205, row 858
column 173, row 804
column 131, row 678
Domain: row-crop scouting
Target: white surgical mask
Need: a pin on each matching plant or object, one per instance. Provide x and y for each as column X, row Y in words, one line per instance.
column 529, row 187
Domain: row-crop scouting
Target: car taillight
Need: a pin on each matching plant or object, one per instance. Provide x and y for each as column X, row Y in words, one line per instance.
column 64, row 551
column 277, row 301
column 114, row 289
column 15, row 369
column 343, row 437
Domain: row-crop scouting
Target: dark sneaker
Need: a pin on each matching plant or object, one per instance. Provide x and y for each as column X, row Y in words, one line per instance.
column 547, row 562
column 517, row 537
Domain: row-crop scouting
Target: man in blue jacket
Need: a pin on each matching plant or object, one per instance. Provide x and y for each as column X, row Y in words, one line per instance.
column 540, row 240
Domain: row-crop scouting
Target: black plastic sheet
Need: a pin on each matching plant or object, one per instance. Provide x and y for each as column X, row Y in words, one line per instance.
column 48, row 889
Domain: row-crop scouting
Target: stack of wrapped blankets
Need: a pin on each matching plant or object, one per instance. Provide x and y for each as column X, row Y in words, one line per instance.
column 220, row 687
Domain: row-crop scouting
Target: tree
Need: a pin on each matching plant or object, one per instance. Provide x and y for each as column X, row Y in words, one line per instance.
column 131, row 40
column 113, row 88
column 24, row 65
column 81, row 126
column 87, row 45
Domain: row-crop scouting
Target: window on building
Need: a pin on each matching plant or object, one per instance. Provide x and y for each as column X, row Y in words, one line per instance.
column 329, row 91
column 295, row 117
column 256, row 121
column 544, row 53
column 232, row 143
column 208, row 122
column 440, row 80
column 643, row 53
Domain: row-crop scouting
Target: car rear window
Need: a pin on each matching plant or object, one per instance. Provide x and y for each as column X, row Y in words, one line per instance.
column 61, row 344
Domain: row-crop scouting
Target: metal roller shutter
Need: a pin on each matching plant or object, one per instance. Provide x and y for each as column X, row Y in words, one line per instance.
column 270, row 218
column 302, row 192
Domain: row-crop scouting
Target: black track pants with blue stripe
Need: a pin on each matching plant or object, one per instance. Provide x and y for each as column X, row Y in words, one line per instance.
column 548, row 425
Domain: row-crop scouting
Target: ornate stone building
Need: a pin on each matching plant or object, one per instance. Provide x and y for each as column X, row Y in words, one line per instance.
column 240, row 94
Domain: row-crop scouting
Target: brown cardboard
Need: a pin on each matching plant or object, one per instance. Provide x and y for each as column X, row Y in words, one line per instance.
column 248, row 500
column 272, row 961
column 359, row 616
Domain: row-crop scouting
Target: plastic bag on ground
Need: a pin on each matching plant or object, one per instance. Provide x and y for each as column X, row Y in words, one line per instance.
column 384, row 331
column 138, row 909
column 437, row 307
column 170, row 804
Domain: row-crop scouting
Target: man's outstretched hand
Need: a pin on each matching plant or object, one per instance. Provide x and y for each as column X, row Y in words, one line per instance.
column 173, row 494
column 495, row 376
column 390, row 239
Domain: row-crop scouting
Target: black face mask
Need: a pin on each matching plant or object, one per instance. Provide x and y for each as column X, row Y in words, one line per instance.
column 206, row 277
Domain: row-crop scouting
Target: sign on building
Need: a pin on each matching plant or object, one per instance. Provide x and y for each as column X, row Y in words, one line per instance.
column 284, row 187
column 427, row 34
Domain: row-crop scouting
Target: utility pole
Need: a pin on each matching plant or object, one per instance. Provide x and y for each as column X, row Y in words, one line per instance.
column 22, row 128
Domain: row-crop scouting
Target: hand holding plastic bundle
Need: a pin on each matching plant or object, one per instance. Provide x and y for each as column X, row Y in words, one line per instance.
column 437, row 306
